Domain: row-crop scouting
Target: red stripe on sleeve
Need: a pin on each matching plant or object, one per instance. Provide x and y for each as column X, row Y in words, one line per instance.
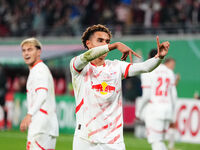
column 41, row 88
column 79, row 71
column 126, row 71
column 44, row 111
column 79, row 105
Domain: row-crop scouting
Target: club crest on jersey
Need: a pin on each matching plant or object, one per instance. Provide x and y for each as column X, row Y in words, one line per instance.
column 103, row 88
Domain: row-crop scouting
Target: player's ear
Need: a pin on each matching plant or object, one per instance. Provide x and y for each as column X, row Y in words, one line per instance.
column 88, row 44
column 39, row 52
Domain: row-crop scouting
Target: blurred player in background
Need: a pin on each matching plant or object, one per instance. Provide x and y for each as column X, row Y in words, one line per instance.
column 158, row 99
column 3, row 111
column 171, row 63
column 41, row 119
column 97, row 87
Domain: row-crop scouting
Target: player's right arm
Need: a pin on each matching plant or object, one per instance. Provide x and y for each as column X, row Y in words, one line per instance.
column 79, row 62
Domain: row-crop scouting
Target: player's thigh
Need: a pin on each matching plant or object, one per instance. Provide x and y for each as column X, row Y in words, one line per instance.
column 41, row 141
column 156, row 129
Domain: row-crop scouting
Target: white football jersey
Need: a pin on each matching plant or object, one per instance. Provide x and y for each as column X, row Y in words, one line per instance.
column 161, row 82
column 99, row 101
column 45, row 119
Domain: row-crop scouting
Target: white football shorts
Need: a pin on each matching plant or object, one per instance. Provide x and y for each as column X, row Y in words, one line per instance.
column 82, row 144
column 41, row 142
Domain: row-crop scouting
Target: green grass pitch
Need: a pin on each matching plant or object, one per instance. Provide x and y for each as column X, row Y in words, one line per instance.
column 15, row 140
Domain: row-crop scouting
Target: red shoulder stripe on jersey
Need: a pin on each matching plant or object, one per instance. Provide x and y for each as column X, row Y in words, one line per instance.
column 126, row 71
column 42, row 148
column 36, row 63
column 114, row 140
column 41, row 88
column 43, row 111
column 79, row 71
column 79, row 105
column 146, row 86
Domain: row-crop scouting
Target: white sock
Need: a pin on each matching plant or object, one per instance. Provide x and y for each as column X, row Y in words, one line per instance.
column 159, row 145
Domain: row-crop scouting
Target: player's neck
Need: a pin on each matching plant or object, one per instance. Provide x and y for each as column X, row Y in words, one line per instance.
column 35, row 63
column 98, row 62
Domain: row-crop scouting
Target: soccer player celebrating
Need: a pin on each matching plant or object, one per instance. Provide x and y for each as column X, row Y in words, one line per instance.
column 157, row 105
column 41, row 119
column 97, row 87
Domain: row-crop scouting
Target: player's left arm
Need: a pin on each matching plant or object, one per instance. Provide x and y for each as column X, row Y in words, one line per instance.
column 150, row 64
column 40, row 88
column 40, row 99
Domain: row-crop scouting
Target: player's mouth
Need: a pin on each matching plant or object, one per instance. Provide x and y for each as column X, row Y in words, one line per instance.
column 27, row 58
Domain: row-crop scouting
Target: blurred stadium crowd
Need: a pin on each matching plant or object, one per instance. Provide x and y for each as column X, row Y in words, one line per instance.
column 124, row 17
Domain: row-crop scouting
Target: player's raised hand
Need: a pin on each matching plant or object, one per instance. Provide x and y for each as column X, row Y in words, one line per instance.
column 162, row 49
column 125, row 50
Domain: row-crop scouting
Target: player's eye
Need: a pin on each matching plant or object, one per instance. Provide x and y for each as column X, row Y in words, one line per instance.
column 107, row 41
column 100, row 40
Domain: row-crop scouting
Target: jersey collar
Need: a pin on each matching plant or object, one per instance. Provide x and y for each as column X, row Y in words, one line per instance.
column 96, row 65
column 36, row 63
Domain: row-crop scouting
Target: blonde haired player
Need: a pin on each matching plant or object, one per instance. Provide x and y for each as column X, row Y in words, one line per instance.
column 41, row 119
column 97, row 87
column 158, row 102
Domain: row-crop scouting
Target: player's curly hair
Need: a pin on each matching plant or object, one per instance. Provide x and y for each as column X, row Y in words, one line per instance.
column 91, row 30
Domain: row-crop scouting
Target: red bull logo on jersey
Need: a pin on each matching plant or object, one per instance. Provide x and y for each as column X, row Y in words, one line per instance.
column 103, row 88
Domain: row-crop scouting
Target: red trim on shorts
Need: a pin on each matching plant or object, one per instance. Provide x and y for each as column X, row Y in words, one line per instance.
column 79, row 71
column 43, row 111
column 157, row 131
column 36, row 63
column 114, row 140
column 28, row 145
column 41, row 88
column 126, row 71
column 41, row 146
column 26, row 91
column 79, row 105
